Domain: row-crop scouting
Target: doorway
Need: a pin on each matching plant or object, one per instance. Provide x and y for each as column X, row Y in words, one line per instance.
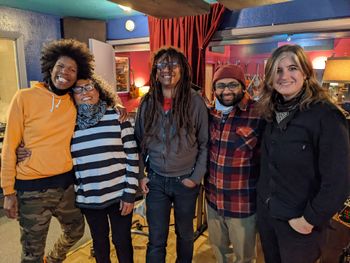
column 9, row 81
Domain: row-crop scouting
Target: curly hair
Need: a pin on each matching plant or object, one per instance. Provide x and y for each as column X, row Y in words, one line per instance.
column 106, row 92
column 72, row 48
column 313, row 91
column 153, row 100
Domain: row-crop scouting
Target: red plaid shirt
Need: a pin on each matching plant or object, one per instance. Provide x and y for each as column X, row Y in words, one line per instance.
column 234, row 160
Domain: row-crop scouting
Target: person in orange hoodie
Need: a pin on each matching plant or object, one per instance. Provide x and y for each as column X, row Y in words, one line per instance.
column 41, row 186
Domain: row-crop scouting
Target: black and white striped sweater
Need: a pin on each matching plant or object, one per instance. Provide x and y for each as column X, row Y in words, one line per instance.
column 105, row 159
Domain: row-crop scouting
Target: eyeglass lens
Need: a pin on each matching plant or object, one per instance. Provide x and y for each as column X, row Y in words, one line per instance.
column 231, row 85
column 163, row 65
column 80, row 89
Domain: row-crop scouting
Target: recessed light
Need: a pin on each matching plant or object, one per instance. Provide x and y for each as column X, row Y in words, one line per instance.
column 130, row 25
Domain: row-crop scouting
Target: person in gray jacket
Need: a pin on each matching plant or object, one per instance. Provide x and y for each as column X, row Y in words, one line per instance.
column 305, row 168
column 172, row 131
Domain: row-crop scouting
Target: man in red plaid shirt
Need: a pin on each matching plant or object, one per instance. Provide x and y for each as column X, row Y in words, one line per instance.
column 235, row 135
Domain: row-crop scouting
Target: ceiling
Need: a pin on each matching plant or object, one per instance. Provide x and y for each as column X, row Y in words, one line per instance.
column 91, row 9
column 179, row 8
column 104, row 9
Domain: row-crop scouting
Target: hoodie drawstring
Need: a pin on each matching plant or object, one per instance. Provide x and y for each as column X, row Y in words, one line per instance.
column 53, row 106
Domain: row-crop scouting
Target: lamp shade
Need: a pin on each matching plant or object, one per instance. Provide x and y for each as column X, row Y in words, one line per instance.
column 337, row 70
column 143, row 90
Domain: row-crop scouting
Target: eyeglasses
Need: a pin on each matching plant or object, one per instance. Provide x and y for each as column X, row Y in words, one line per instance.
column 231, row 85
column 163, row 65
column 80, row 89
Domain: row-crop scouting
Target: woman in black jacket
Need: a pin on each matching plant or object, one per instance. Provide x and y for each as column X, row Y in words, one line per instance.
column 305, row 169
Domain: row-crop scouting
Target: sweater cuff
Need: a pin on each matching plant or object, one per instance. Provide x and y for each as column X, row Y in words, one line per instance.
column 314, row 218
column 197, row 178
column 128, row 197
column 8, row 190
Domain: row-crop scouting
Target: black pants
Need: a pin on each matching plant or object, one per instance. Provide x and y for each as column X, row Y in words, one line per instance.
column 121, row 233
column 282, row 244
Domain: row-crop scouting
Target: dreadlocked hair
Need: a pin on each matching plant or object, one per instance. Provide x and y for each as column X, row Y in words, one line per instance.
column 181, row 101
column 74, row 49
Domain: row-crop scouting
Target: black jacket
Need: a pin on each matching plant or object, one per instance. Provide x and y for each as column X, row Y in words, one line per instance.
column 305, row 165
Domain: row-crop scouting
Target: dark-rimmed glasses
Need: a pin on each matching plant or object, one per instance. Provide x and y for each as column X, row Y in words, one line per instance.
column 170, row 65
column 80, row 89
column 231, row 85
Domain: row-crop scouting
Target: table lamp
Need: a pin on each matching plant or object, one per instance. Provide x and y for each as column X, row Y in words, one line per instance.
column 337, row 74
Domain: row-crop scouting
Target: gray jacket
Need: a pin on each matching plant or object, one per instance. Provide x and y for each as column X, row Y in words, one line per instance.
column 191, row 157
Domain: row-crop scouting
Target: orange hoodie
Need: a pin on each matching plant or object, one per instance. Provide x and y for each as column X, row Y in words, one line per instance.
column 45, row 123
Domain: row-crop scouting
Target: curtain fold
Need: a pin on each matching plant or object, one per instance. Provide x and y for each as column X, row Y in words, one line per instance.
column 191, row 34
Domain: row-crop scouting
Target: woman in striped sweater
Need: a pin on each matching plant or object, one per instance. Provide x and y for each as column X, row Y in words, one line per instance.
column 105, row 160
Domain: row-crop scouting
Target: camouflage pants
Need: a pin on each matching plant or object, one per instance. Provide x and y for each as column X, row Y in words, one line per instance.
column 36, row 209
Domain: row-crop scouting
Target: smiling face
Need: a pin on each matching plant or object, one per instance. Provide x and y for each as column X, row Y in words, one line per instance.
column 88, row 94
column 228, row 91
column 168, row 71
column 64, row 73
column 288, row 79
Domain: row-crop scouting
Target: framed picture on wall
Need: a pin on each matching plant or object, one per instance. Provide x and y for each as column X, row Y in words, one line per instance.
column 122, row 74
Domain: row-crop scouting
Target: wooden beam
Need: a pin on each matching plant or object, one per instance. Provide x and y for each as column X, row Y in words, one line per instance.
column 240, row 4
column 168, row 8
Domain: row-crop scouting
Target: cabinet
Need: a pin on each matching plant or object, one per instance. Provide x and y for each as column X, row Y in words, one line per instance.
column 122, row 74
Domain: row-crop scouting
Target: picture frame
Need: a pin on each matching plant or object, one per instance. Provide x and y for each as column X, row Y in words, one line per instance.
column 122, row 67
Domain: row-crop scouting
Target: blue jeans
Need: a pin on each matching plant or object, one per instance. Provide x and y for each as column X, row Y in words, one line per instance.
column 163, row 192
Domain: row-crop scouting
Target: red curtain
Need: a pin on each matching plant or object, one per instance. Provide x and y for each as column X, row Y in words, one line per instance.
column 191, row 34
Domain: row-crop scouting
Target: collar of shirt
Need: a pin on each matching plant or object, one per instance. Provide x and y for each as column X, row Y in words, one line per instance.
column 167, row 104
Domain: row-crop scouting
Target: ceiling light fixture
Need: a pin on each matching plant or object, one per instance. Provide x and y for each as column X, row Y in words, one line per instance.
column 125, row 8
column 129, row 25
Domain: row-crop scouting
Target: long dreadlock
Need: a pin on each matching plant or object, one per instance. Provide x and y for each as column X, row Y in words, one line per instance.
column 153, row 100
